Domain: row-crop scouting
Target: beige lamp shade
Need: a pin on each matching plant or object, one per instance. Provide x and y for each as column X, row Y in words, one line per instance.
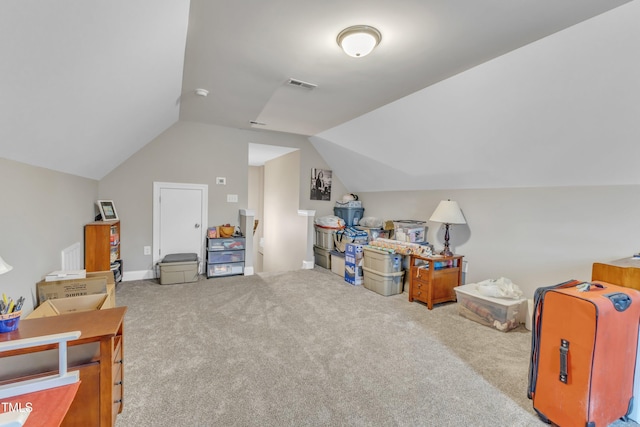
column 359, row 40
column 4, row 267
column 448, row 212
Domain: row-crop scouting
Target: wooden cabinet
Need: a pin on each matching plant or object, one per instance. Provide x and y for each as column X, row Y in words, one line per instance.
column 432, row 279
column 101, row 344
column 225, row 256
column 622, row 272
column 102, row 247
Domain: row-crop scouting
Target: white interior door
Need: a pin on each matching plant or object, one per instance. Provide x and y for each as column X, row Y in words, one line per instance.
column 180, row 219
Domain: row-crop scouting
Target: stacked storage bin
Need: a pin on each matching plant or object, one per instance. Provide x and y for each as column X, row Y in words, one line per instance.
column 351, row 212
column 412, row 231
column 409, row 230
column 383, row 271
column 323, row 245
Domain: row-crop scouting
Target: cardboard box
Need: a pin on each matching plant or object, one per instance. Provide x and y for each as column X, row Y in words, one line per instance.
column 353, row 260
column 71, row 288
column 60, row 306
column 337, row 262
column 106, row 274
column 65, row 275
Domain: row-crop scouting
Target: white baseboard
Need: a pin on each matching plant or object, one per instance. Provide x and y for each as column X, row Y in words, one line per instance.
column 149, row 274
column 138, row 275
column 307, row 265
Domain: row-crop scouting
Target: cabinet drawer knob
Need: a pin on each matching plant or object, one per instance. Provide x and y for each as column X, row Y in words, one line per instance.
column 118, row 361
column 118, row 383
column 117, row 401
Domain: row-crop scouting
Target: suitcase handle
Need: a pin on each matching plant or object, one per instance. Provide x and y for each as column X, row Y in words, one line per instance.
column 620, row 300
column 564, row 355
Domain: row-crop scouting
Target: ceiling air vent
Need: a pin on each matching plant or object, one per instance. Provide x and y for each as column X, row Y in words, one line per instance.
column 300, row 83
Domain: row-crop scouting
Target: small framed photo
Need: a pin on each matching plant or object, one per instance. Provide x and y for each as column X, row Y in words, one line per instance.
column 107, row 210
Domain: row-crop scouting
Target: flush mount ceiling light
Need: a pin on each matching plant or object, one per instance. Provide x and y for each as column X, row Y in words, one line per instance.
column 359, row 40
column 202, row 92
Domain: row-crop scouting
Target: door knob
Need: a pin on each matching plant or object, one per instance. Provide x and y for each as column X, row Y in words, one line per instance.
column 197, row 225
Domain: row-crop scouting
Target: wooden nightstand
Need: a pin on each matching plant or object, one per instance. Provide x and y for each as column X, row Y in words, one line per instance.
column 433, row 278
column 622, row 272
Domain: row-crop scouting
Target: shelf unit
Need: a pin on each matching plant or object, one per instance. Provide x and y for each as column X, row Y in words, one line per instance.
column 225, row 256
column 433, row 278
column 102, row 247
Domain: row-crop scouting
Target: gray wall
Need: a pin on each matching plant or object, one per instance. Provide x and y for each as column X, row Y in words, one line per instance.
column 42, row 212
column 256, row 200
column 198, row 153
column 533, row 236
column 284, row 230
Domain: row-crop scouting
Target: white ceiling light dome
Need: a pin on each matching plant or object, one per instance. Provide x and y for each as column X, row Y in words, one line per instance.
column 359, row 40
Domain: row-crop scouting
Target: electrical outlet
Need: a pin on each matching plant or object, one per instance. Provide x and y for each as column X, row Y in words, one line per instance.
column 147, row 250
column 232, row 198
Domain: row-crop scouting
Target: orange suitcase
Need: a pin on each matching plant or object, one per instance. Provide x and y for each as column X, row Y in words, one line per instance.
column 583, row 351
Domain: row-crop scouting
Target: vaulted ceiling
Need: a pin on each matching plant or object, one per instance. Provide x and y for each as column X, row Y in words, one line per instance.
column 81, row 78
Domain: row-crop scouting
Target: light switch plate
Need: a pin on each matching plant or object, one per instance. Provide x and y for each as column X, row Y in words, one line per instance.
column 221, row 180
column 231, row 198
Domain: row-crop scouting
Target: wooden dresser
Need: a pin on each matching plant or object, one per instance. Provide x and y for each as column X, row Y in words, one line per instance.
column 433, row 278
column 97, row 355
column 622, row 272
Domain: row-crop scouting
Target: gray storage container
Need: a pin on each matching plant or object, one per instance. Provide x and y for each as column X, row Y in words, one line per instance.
column 178, row 268
column 351, row 216
column 383, row 284
column 322, row 257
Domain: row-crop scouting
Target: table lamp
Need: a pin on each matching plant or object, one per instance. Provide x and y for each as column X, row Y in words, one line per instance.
column 4, row 267
column 448, row 212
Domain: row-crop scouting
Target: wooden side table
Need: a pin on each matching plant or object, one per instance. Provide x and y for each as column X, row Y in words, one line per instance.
column 622, row 272
column 433, row 278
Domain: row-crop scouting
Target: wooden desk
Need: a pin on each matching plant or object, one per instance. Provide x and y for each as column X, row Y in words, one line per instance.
column 99, row 397
column 623, row 272
column 47, row 408
column 434, row 284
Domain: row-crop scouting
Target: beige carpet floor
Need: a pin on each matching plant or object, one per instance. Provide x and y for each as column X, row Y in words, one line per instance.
column 305, row 348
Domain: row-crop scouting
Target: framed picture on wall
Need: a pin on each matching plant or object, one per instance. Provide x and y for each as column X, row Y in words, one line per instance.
column 107, row 210
column 320, row 184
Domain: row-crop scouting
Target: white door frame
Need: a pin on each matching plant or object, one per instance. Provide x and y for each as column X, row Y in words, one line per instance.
column 157, row 187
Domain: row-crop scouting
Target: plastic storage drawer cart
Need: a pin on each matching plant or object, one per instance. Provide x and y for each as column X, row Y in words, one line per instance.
column 225, row 256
